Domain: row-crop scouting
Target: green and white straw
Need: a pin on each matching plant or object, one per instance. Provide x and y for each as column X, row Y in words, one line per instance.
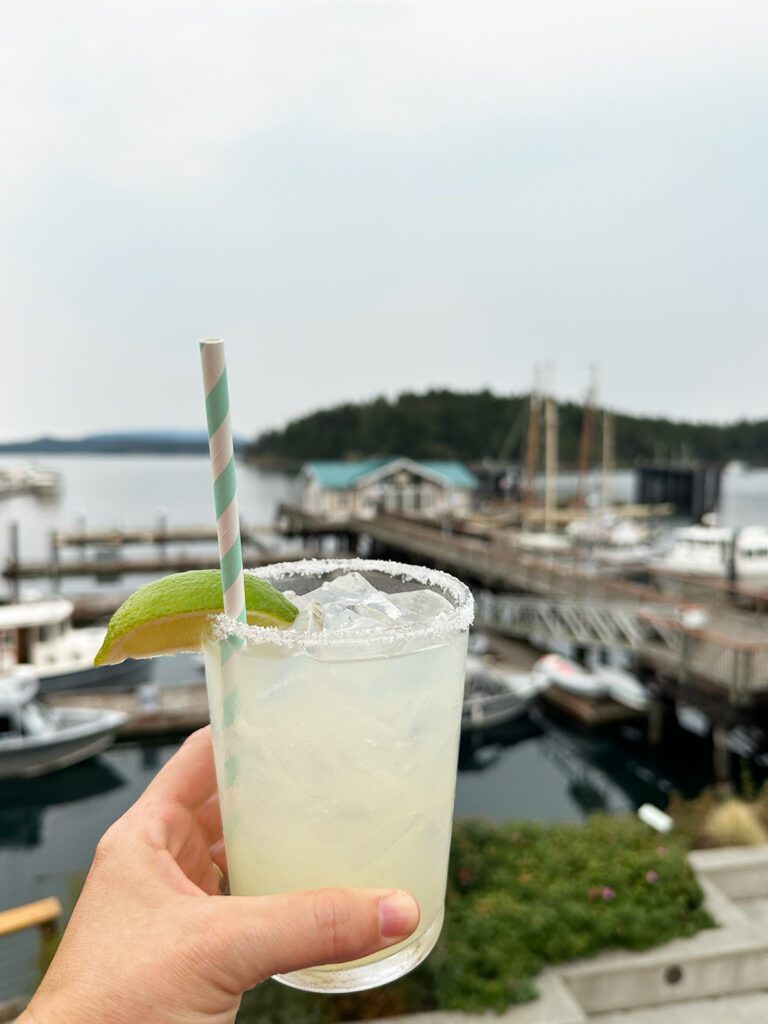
column 224, row 487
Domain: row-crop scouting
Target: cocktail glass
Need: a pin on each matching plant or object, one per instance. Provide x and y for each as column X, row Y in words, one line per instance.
column 336, row 752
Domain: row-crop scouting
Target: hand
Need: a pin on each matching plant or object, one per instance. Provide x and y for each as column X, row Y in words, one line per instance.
column 152, row 938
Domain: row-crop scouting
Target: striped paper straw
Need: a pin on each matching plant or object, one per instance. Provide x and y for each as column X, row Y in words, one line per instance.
column 224, row 488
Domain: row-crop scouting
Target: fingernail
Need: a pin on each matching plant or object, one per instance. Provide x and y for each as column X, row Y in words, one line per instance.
column 398, row 915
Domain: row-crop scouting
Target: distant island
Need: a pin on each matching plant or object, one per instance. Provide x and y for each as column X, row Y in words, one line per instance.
column 471, row 426
column 439, row 424
column 134, row 442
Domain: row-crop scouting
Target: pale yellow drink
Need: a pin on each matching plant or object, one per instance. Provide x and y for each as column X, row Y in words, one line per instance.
column 336, row 756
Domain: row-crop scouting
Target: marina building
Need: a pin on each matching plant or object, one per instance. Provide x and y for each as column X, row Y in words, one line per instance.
column 363, row 489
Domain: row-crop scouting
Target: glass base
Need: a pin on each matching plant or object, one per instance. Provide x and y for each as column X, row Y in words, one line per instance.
column 336, row 980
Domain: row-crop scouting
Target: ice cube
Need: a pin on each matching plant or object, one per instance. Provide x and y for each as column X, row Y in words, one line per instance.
column 351, row 602
column 310, row 618
column 419, row 606
column 355, row 590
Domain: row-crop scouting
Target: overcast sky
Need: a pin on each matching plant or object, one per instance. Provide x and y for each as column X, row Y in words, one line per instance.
column 369, row 196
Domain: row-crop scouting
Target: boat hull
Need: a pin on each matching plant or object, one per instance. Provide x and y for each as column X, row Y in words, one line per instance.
column 83, row 733
column 489, row 712
column 128, row 675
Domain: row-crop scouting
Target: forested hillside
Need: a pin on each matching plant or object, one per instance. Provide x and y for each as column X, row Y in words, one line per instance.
column 469, row 426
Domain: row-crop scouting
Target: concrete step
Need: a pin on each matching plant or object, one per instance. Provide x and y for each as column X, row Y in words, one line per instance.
column 741, row 872
column 744, row 1009
column 555, row 1005
column 730, row 959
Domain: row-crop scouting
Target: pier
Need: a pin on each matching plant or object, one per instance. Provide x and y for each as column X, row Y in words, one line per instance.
column 99, row 553
column 693, row 640
column 696, row 644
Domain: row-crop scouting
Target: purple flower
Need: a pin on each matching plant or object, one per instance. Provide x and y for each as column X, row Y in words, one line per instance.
column 594, row 894
column 661, row 850
column 652, row 877
column 609, row 893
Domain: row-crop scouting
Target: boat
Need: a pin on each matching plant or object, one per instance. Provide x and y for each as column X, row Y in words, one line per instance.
column 571, row 676
column 494, row 696
column 717, row 552
column 29, row 479
column 599, row 683
column 35, row 740
column 610, row 538
column 624, row 688
column 39, row 634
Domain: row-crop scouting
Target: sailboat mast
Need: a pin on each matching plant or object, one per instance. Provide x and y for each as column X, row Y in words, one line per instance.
column 609, row 457
column 550, row 461
column 532, row 446
column 587, row 439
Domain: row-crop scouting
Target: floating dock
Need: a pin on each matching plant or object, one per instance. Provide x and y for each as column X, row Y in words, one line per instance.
column 172, row 711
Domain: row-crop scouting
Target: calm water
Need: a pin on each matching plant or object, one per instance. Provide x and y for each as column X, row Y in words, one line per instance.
column 541, row 770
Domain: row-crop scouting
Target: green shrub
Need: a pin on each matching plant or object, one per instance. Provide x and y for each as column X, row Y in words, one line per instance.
column 521, row 896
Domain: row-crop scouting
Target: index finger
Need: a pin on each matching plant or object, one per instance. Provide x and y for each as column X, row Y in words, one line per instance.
column 189, row 778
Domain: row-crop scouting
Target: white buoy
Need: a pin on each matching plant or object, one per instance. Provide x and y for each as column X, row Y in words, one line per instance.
column 655, row 817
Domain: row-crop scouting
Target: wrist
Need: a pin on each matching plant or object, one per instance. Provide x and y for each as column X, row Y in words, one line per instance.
column 62, row 1009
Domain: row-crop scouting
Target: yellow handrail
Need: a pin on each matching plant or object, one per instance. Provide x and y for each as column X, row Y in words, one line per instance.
column 30, row 915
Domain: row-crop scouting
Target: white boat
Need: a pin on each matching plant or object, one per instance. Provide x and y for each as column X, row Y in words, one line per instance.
column 624, row 688
column 35, row 740
column 718, row 552
column 40, row 634
column 29, row 479
column 610, row 538
column 536, row 542
column 570, row 676
column 495, row 696
column 604, row 681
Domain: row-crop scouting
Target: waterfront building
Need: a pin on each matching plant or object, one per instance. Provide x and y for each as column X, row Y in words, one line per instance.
column 362, row 489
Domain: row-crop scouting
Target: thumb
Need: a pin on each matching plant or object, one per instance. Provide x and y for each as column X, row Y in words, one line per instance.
column 256, row 937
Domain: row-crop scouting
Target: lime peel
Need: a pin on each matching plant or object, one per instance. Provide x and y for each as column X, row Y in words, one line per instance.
column 170, row 614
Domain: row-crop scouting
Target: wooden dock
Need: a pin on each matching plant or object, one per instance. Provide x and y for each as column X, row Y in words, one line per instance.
column 155, row 535
column 178, row 710
column 593, row 714
column 114, row 568
column 100, row 552
column 730, row 657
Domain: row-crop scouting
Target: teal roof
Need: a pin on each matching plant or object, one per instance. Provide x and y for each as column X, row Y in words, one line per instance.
column 456, row 472
column 343, row 475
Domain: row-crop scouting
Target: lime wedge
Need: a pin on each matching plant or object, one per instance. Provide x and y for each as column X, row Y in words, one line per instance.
column 169, row 614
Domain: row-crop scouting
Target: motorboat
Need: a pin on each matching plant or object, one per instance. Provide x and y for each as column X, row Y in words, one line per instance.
column 40, row 634
column 35, row 739
column 536, row 542
column 610, row 538
column 29, row 479
column 601, row 682
column 571, row 676
column 624, row 688
column 719, row 552
column 494, row 696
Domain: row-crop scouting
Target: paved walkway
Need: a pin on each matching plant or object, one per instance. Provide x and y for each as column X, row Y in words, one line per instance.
column 745, row 1009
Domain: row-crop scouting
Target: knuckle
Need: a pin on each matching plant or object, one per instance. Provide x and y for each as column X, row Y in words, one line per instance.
column 107, row 845
column 333, row 921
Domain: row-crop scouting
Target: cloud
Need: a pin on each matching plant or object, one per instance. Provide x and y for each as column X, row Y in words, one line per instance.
column 153, row 92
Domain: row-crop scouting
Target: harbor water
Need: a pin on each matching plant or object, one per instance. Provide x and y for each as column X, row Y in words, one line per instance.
column 539, row 769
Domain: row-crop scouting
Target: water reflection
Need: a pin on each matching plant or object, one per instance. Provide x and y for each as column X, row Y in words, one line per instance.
column 557, row 771
column 23, row 802
column 480, row 749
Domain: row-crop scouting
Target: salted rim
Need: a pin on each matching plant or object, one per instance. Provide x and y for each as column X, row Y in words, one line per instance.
column 443, row 625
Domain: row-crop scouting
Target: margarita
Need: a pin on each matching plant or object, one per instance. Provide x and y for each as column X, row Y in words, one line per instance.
column 336, row 743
